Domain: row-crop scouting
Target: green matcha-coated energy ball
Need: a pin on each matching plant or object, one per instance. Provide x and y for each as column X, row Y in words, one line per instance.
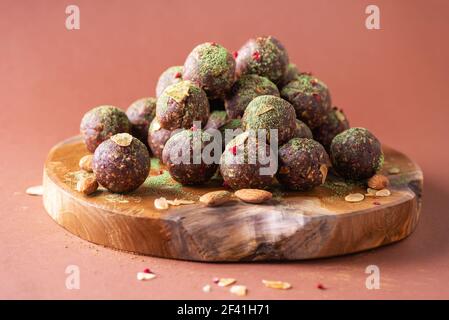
column 102, row 122
column 271, row 112
column 212, row 68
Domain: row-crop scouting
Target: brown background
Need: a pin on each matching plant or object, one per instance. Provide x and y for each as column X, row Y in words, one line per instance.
column 393, row 81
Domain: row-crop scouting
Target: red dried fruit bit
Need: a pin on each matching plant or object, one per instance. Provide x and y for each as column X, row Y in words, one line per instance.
column 161, row 171
column 215, row 280
column 233, row 150
column 178, row 75
column 235, row 54
column 377, row 203
column 317, row 97
column 313, row 82
column 146, row 270
column 213, row 43
column 193, row 128
column 321, row 286
column 256, row 55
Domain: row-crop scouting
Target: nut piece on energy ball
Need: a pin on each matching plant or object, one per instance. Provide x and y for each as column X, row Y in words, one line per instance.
column 302, row 130
column 170, row 76
column 244, row 91
column 102, row 122
column 302, row 164
column 211, row 67
column 121, row 163
column 180, row 105
column 271, row 112
column 264, row 56
column 183, row 155
column 334, row 123
column 157, row 138
column 356, row 154
column 140, row 114
column 310, row 97
column 87, row 185
column 242, row 167
column 86, row 163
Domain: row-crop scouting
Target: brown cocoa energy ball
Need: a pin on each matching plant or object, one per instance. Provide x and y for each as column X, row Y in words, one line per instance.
column 121, row 163
column 180, row 105
column 102, row 122
column 157, row 137
column 179, row 156
column 140, row 114
column 310, row 97
column 170, row 76
column 302, row 130
column 289, row 75
column 244, row 91
column 264, row 56
column 211, row 67
column 303, row 164
column 356, row 154
column 240, row 165
column 334, row 123
column 270, row 112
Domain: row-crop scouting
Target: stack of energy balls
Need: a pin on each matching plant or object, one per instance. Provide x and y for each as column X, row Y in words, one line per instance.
column 253, row 88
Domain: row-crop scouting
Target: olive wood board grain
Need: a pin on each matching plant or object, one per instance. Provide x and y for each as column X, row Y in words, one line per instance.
column 291, row 226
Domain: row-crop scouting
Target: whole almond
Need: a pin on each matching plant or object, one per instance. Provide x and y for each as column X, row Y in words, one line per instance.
column 87, row 185
column 253, row 195
column 378, row 182
column 216, row 198
column 86, row 163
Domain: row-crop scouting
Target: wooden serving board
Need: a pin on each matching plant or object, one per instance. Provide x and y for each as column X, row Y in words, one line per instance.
column 294, row 225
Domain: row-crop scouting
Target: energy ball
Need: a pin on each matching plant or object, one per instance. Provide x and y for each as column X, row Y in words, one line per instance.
column 180, row 105
column 290, row 74
column 211, row 67
column 121, row 163
column 303, row 164
column 140, row 114
column 310, row 97
column 241, row 167
column 245, row 90
column 170, row 76
column 264, row 56
column 302, row 130
column 179, row 155
column 356, row 154
column 157, row 137
column 271, row 112
column 102, row 122
column 334, row 123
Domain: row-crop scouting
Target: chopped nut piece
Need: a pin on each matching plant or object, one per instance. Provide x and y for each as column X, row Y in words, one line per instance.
column 378, row 182
column 141, row 276
column 161, row 203
column 238, row 290
column 224, row 282
column 371, row 192
column 276, row 284
column 394, row 170
column 216, row 198
column 207, row 288
column 178, row 202
column 86, row 163
column 122, row 139
column 383, row 193
column 354, row 197
column 253, row 195
column 87, row 185
column 323, row 170
column 35, row 191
